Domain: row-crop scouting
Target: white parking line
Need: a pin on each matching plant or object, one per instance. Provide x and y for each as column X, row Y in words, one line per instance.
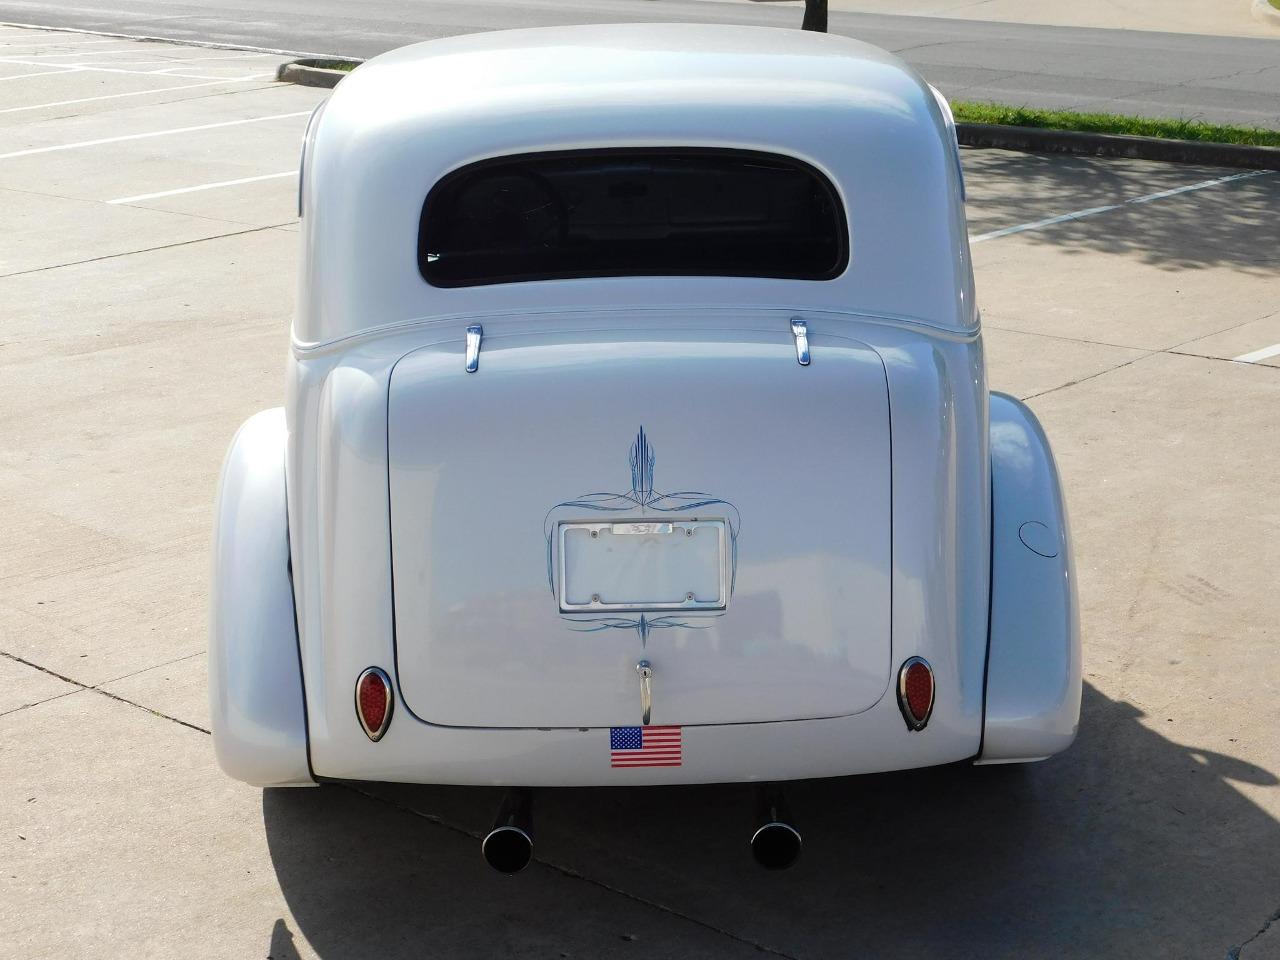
column 152, row 133
column 179, row 61
column 42, row 73
column 75, row 53
column 178, row 41
column 203, row 186
column 1093, row 211
column 1265, row 353
column 51, row 42
column 109, row 96
column 1037, row 224
column 72, row 67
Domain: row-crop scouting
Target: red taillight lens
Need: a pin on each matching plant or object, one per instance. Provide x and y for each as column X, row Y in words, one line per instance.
column 374, row 702
column 915, row 692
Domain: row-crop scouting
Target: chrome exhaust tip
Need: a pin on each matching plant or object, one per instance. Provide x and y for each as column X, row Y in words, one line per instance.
column 508, row 847
column 776, row 844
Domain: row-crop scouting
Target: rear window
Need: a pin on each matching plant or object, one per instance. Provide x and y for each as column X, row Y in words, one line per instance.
column 613, row 213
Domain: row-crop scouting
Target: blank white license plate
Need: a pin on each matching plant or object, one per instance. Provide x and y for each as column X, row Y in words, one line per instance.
column 643, row 565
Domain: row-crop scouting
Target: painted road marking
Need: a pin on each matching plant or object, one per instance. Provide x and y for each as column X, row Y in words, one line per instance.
column 153, row 133
column 182, row 42
column 108, row 96
column 75, row 67
column 1037, row 224
column 42, row 73
column 1094, row 211
column 1266, row 353
column 75, row 53
column 177, row 61
column 47, row 41
column 203, row 186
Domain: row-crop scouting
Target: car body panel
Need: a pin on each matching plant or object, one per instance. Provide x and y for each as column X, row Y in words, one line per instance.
column 397, row 459
column 255, row 687
column 1034, row 671
column 340, row 507
column 720, row 425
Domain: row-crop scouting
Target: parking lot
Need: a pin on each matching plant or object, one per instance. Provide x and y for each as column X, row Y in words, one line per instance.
column 147, row 273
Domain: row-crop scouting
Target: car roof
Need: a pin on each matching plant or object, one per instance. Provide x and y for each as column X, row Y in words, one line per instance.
column 687, row 68
column 405, row 119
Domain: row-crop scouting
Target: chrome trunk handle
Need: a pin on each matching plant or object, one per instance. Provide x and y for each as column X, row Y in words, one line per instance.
column 645, row 670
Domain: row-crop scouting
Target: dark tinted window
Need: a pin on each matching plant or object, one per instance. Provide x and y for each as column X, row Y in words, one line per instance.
column 607, row 213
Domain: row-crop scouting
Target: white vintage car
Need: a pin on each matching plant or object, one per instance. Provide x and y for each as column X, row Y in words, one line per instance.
column 637, row 432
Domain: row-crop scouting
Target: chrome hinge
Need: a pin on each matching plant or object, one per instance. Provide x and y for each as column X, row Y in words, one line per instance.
column 800, row 330
column 475, row 333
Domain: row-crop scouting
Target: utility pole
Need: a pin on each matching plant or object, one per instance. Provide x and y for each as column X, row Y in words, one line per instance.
column 815, row 16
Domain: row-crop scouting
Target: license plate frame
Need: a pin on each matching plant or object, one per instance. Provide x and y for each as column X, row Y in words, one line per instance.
column 593, row 557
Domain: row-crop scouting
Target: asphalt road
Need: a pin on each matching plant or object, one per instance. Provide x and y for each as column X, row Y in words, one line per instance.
column 1223, row 79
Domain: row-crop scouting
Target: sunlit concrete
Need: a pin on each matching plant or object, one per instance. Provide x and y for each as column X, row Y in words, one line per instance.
column 135, row 339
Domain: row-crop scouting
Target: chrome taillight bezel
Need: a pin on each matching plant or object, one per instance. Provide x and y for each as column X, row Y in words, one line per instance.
column 915, row 723
column 380, row 675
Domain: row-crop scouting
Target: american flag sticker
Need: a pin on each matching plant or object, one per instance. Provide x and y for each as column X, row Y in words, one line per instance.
column 644, row 747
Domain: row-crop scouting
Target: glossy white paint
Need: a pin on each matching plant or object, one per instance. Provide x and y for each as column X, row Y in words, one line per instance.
column 343, row 575
column 856, row 113
column 858, row 487
column 733, row 427
column 255, row 689
column 1033, row 675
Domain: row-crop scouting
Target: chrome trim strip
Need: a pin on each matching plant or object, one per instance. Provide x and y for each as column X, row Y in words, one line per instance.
column 307, row 349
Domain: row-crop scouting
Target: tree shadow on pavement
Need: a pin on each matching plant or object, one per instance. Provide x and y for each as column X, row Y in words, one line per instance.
column 1230, row 224
column 1127, row 845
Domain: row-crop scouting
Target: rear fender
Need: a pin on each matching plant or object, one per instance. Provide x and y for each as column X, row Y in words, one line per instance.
column 1033, row 667
column 255, row 681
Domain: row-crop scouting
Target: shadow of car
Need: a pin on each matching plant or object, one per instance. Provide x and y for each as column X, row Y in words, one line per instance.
column 1129, row 844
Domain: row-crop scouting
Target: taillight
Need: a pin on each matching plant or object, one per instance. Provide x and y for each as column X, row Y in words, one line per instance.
column 915, row 692
column 374, row 702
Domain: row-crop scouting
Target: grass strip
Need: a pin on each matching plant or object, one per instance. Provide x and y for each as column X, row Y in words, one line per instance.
column 345, row 65
column 967, row 111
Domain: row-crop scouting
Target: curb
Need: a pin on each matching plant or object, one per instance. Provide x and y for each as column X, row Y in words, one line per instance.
column 1264, row 11
column 1036, row 140
column 308, row 74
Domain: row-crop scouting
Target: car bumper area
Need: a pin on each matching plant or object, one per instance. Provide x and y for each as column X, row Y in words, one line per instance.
column 872, row 741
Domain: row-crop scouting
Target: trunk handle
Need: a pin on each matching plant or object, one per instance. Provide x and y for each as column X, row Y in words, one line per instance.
column 800, row 330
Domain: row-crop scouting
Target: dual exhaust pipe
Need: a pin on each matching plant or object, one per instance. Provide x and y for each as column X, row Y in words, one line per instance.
column 508, row 847
column 776, row 844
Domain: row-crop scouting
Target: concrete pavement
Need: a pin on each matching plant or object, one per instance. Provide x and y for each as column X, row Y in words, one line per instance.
column 136, row 337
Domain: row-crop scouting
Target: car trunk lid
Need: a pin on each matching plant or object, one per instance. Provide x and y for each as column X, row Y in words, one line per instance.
column 584, row 502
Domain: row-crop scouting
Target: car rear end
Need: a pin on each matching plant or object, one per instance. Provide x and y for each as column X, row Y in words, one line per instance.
column 637, row 438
